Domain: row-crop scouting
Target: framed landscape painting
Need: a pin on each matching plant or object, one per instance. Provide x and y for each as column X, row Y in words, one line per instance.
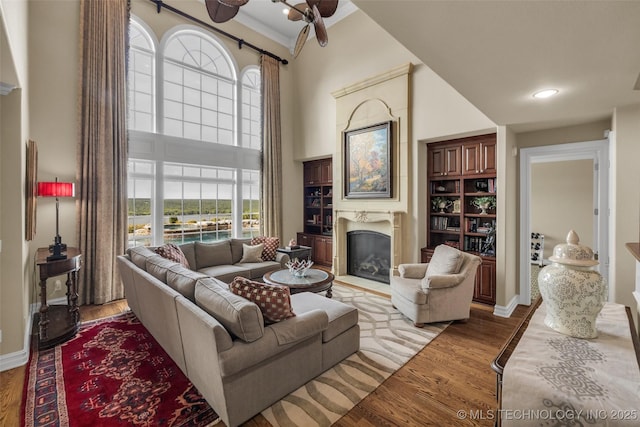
column 368, row 162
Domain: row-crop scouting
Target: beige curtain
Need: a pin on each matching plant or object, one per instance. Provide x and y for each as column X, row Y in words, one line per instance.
column 102, row 148
column 271, row 190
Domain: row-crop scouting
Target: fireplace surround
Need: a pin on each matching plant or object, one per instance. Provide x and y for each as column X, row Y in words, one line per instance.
column 388, row 223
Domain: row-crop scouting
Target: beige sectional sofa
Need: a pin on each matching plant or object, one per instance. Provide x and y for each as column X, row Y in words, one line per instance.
column 219, row 339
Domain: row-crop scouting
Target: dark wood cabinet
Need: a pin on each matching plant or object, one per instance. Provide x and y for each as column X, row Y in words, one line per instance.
column 485, row 289
column 318, row 210
column 479, row 156
column 464, row 173
column 444, row 161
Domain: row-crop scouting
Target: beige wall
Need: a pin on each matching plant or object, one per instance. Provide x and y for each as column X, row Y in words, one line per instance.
column 437, row 110
column 14, row 121
column 562, row 200
column 626, row 201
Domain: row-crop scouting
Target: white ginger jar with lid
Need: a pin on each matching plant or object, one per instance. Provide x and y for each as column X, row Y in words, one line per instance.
column 573, row 292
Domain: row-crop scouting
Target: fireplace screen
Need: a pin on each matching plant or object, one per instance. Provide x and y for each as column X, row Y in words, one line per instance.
column 369, row 255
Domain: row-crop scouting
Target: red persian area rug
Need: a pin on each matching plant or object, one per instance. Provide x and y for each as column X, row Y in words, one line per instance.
column 112, row 373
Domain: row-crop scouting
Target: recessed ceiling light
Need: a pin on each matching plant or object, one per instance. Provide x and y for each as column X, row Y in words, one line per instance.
column 545, row 93
column 285, row 11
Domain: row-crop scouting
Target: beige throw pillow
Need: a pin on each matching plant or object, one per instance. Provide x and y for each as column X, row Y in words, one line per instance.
column 251, row 253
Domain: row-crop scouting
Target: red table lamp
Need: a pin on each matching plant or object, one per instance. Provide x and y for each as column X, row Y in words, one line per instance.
column 56, row 189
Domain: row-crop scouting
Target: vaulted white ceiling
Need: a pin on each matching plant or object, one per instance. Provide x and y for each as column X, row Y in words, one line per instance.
column 497, row 53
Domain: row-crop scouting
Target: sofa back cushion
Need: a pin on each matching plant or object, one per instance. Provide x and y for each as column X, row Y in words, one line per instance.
column 236, row 249
column 210, row 254
column 189, row 251
column 445, row 260
column 158, row 266
column 183, row 280
column 240, row 317
column 139, row 255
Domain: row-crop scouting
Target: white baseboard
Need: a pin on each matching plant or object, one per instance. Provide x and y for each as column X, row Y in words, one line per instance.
column 21, row 357
column 506, row 311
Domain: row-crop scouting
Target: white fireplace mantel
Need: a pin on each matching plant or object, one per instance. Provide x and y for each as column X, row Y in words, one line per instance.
column 386, row 222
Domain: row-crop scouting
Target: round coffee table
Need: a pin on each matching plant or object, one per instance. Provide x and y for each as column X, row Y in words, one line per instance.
column 314, row 281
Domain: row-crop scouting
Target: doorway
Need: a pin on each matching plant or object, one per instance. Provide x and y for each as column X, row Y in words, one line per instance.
column 549, row 209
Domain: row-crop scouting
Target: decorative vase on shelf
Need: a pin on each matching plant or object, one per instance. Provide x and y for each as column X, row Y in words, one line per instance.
column 572, row 291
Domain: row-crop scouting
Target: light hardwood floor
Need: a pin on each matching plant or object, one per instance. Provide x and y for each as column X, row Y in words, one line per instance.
column 451, row 374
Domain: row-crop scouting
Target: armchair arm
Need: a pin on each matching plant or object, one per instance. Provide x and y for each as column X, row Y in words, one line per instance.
column 282, row 258
column 442, row 281
column 412, row 271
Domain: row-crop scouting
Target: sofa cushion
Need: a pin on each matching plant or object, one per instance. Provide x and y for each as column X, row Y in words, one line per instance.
column 256, row 270
column 158, row 266
column 209, row 254
column 236, row 249
column 252, row 253
column 226, row 273
column 273, row 301
column 189, row 251
column 342, row 317
column 139, row 255
column 240, row 317
column 445, row 260
column 183, row 280
column 270, row 246
column 172, row 252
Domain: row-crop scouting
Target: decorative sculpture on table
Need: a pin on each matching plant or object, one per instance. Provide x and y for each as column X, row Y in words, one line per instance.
column 572, row 291
column 298, row 268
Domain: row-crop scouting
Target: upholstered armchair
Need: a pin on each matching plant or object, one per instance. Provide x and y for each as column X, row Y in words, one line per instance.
column 438, row 291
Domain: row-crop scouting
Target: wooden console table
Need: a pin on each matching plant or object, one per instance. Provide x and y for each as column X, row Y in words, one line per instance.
column 58, row 323
column 551, row 375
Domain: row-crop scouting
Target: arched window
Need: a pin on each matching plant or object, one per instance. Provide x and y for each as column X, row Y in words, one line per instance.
column 199, row 89
column 141, row 78
column 251, row 112
column 181, row 189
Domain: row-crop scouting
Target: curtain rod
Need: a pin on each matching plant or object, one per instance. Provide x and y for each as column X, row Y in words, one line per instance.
column 241, row 42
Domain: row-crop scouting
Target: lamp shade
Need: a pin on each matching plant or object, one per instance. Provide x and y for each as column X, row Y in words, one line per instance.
column 56, row 189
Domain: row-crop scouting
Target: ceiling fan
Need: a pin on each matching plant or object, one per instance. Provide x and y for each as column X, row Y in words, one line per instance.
column 312, row 12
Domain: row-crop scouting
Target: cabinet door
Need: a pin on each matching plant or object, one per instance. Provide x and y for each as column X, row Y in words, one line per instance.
column 312, row 173
column 485, row 285
column 488, row 156
column 471, row 159
column 305, row 240
column 326, row 171
column 444, row 161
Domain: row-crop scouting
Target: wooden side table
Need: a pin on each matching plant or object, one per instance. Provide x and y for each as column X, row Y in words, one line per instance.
column 58, row 323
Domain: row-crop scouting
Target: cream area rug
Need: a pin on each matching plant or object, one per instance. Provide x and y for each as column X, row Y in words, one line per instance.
column 387, row 341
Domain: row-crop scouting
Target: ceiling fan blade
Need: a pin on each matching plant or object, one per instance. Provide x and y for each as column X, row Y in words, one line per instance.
column 232, row 3
column 219, row 12
column 294, row 12
column 318, row 24
column 302, row 38
column 326, row 7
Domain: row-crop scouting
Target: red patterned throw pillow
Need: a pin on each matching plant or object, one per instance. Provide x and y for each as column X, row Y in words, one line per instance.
column 274, row 301
column 172, row 252
column 270, row 246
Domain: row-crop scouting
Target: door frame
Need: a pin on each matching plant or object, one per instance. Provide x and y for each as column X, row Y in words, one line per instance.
column 598, row 151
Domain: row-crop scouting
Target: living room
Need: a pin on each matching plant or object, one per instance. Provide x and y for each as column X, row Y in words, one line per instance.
column 40, row 45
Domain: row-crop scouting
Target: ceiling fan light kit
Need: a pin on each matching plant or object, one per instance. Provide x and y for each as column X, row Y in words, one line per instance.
column 312, row 12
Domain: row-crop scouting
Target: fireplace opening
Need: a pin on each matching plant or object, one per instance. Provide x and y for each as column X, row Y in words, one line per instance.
column 369, row 255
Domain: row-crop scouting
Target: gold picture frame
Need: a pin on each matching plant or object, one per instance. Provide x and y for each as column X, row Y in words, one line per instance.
column 31, row 189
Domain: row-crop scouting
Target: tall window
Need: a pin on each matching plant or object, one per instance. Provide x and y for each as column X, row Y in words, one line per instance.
column 197, row 178
column 251, row 109
column 141, row 82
